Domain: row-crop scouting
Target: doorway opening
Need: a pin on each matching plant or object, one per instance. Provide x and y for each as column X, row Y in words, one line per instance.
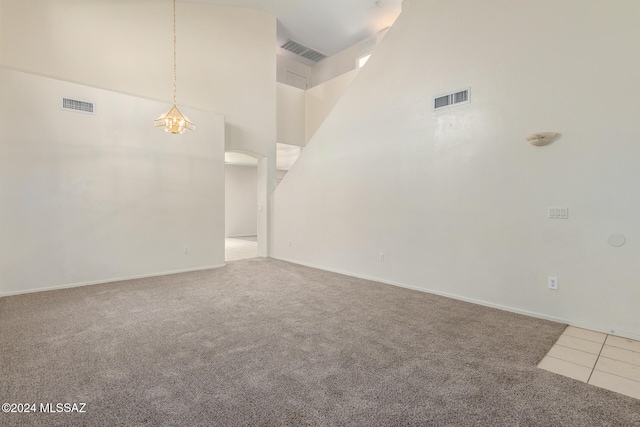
column 245, row 205
column 241, row 206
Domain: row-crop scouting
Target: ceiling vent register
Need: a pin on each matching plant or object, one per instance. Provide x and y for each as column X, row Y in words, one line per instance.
column 304, row 51
column 79, row 106
column 451, row 99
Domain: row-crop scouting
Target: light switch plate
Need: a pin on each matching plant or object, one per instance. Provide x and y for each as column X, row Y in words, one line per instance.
column 558, row 213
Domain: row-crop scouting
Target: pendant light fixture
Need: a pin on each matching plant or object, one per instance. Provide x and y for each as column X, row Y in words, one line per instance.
column 173, row 121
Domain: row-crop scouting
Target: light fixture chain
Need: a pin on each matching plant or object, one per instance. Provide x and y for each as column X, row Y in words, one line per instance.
column 173, row 121
column 174, row 53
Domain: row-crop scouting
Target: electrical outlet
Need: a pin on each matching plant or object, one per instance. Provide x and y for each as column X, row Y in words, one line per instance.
column 186, row 250
column 381, row 257
column 289, row 243
column 552, row 283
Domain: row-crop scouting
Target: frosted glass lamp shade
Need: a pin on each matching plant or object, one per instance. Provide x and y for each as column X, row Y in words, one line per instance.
column 173, row 121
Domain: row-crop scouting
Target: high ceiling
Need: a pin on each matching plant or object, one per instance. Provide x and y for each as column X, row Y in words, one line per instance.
column 327, row 26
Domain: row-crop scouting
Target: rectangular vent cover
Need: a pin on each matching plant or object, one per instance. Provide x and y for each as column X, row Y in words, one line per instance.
column 79, row 106
column 304, row 51
column 451, row 99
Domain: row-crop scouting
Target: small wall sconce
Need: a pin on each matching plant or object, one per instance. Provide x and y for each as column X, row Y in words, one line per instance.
column 541, row 138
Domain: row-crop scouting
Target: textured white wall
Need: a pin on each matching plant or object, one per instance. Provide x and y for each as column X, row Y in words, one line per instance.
column 89, row 198
column 301, row 112
column 320, row 100
column 285, row 64
column 226, row 60
column 344, row 61
column 457, row 200
column 290, row 115
column 241, row 201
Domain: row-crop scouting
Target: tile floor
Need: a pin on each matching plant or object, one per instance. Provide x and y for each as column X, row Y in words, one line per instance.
column 598, row 359
column 235, row 249
column 592, row 357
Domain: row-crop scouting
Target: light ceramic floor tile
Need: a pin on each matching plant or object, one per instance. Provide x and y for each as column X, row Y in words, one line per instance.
column 579, row 344
column 621, row 369
column 585, row 334
column 578, row 357
column 617, row 361
column 625, row 343
column 621, row 354
column 566, row 369
column 236, row 249
column 615, row 383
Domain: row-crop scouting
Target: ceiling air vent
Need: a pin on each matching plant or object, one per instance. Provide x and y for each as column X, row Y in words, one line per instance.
column 451, row 99
column 304, row 51
column 79, row 106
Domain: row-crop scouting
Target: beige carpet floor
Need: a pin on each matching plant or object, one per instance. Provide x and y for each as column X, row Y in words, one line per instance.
column 263, row 342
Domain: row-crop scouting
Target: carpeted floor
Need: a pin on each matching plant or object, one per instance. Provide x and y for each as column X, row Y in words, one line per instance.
column 263, row 342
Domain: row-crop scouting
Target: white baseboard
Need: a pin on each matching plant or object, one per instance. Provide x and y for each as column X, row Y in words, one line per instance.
column 596, row 328
column 591, row 327
column 98, row 282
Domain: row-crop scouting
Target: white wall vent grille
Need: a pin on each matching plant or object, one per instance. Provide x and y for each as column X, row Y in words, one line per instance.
column 451, row 99
column 304, row 51
column 79, row 106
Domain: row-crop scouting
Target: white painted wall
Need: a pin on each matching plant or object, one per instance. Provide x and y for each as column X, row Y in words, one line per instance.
column 320, row 100
column 264, row 206
column 457, row 200
column 280, row 174
column 90, row 198
column 226, row 61
column 290, row 115
column 344, row 61
column 241, row 201
column 284, row 64
column 225, row 55
column 300, row 113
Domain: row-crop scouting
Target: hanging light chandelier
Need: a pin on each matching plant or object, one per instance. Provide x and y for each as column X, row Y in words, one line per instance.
column 173, row 121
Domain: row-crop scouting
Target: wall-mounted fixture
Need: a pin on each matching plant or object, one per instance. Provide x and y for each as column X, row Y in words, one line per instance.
column 453, row 98
column 78, row 106
column 541, row 138
column 173, row 121
column 558, row 213
column 616, row 240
